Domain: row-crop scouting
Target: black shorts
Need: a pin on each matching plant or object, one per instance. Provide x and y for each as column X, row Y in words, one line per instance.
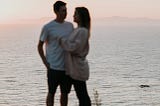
column 58, row 78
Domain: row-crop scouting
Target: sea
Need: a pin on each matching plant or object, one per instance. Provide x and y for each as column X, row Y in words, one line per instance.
column 124, row 61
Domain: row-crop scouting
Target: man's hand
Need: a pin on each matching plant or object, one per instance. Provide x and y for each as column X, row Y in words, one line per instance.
column 47, row 65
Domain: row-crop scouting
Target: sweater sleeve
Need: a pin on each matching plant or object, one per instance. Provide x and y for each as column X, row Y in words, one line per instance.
column 80, row 37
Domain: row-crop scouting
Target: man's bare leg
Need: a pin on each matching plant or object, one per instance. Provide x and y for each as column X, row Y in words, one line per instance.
column 64, row 99
column 50, row 99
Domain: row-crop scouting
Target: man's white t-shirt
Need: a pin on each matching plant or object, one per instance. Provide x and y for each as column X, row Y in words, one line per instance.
column 54, row 52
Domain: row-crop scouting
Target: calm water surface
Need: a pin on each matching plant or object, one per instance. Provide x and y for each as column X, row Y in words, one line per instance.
column 121, row 59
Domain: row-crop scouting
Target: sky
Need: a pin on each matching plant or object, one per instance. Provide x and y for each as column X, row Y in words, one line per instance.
column 13, row 10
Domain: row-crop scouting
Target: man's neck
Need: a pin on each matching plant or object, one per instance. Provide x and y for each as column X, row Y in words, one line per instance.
column 59, row 20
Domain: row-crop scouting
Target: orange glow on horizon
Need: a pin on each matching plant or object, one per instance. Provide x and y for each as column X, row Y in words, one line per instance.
column 13, row 11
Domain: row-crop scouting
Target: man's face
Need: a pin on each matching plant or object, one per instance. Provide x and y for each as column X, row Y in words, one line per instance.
column 62, row 13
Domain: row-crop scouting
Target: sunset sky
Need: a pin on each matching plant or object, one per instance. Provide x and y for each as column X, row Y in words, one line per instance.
column 13, row 10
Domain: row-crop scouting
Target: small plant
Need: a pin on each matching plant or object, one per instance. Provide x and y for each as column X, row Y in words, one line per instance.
column 97, row 100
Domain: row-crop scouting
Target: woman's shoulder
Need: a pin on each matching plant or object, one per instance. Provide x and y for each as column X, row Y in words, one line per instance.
column 81, row 29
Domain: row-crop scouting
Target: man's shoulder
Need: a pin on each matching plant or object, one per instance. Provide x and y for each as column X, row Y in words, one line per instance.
column 52, row 22
column 49, row 24
column 69, row 23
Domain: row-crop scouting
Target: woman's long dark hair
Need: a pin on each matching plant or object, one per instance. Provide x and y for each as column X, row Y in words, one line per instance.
column 85, row 20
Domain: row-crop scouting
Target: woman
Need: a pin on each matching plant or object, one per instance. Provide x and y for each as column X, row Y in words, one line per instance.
column 77, row 48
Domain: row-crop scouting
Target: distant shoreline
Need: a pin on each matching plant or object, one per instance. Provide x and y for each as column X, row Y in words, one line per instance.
column 44, row 20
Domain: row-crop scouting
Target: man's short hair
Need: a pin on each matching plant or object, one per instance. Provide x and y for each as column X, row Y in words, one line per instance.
column 57, row 5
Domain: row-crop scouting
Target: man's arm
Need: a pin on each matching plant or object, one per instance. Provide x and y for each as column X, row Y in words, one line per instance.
column 41, row 53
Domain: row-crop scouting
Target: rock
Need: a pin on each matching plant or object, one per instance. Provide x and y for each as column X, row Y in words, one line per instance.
column 142, row 86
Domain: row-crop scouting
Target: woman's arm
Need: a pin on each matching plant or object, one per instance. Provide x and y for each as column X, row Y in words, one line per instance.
column 78, row 39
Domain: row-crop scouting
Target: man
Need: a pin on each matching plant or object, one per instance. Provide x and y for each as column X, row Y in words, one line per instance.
column 53, row 59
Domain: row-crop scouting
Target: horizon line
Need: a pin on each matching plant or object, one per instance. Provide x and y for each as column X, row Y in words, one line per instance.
column 46, row 19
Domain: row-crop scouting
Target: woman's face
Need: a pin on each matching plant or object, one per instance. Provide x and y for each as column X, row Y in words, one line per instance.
column 76, row 17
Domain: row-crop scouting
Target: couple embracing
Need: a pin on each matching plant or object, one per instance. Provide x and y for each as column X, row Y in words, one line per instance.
column 65, row 54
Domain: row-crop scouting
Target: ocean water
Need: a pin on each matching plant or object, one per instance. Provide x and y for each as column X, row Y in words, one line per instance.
column 122, row 57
